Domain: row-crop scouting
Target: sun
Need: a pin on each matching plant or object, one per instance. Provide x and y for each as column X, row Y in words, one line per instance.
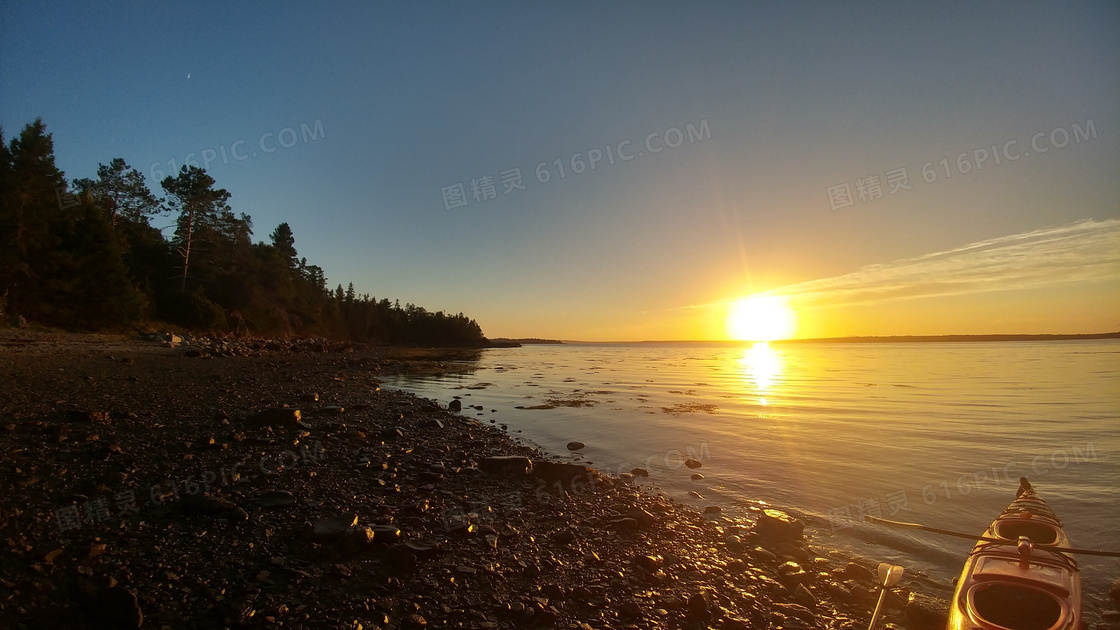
column 761, row 318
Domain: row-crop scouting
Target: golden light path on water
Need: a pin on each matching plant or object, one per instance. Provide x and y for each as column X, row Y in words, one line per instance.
column 761, row 366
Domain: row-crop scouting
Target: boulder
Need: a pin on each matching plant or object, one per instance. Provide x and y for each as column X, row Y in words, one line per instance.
column 779, row 526
column 575, row 446
column 515, row 464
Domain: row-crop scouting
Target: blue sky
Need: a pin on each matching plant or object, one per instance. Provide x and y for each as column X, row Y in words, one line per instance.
column 797, row 98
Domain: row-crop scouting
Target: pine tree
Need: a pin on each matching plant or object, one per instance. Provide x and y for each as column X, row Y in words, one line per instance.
column 193, row 197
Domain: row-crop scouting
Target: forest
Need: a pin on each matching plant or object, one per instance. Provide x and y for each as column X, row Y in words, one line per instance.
column 84, row 255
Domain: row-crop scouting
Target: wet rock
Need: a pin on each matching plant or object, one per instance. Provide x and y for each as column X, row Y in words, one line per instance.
column 924, row 611
column 762, row 555
column 110, row 603
column 329, row 529
column 563, row 472
column 791, row 573
column 693, row 463
column 650, row 562
column 855, row 571
column 630, row 610
column 697, row 476
column 697, row 608
column 203, row 503
column 514, row 464
column 626, row 525
column 795, row 610
column 276, row 499
column 713, row 510
column 779, row 526
column 575, row 446
column 639, row 472
column 455, row 405
column 278, row 417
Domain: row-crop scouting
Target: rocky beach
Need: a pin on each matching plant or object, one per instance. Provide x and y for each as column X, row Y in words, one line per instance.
column 204, row 483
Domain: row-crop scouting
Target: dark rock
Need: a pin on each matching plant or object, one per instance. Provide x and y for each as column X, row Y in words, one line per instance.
column 650, row 562
column 203, row 503
column 278, row 417
column 627, row 525
column 575, row 446
column 455, row 405
column 924, row 611
column 713, row 509
column 697, row 476
column 630, row 610
column 415, row 621
column 640, row 472
column 858, row 572
column 779, row 526
column 386, row 534
column 329, row 529
column 693, row 463
column 697, row 608
column 110, row 603
column 795, row 610
column 276, row 498
column 514, row 464
column 791, row 573
column 562, row 472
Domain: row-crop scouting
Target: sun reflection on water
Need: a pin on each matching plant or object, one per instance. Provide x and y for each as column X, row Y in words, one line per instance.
column 761, row 365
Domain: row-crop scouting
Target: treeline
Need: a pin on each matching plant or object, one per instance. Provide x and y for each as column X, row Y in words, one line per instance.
column 85, row 255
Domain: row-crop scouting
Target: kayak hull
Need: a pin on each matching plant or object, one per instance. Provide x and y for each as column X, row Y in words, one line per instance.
column 1001, row 588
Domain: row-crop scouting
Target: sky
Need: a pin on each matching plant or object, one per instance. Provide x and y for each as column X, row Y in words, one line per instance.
column 940, row 168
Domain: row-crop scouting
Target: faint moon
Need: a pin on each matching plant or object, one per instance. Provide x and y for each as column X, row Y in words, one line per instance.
column 188, row 75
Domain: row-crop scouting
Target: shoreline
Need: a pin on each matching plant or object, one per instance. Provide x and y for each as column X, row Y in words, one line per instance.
column 377, row 508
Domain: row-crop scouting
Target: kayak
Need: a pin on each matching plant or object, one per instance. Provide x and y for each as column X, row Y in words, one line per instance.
column 1014, row 579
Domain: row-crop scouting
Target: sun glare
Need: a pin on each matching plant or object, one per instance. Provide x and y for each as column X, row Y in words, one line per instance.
column 761, row 318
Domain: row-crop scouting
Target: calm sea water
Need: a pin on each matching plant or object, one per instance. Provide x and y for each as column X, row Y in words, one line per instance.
column 935, row 433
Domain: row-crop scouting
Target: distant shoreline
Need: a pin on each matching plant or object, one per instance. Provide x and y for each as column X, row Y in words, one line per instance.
column 885, row 339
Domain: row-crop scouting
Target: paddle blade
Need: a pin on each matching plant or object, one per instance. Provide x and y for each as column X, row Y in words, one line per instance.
column 890, row 574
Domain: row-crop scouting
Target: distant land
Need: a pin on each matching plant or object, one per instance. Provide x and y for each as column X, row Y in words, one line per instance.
column 884, row 339
column 504, row 342
column 953, row 338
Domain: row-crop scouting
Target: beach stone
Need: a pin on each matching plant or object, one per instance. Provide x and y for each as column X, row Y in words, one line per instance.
column 697, row 608
column 333, row 527
column 114, row 605
column 763, row 555
column 779, row 526
column 455, row 405
column 795, row 610
column 693, row 463
column 859, row 572
column 713, row 509
column 791, row 573
column 278, row 417
column 515, row 464
column 276, row 498
column 562, row 472
column 925, row 611
column 575, row 446
column 630, row 610
column 639, row 472
column 650, row 563
column 697, row 476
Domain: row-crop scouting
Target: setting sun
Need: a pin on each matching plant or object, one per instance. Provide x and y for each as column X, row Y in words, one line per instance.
column 761, row 318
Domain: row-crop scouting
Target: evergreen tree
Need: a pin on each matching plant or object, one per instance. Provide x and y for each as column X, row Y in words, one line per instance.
column 121, row 191
column 192, row 195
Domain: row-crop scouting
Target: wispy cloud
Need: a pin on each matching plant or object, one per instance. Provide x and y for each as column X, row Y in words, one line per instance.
column 1085, row 251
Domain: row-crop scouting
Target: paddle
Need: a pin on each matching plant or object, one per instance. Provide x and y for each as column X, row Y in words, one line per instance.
column 900, row 524
column 889, row 575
